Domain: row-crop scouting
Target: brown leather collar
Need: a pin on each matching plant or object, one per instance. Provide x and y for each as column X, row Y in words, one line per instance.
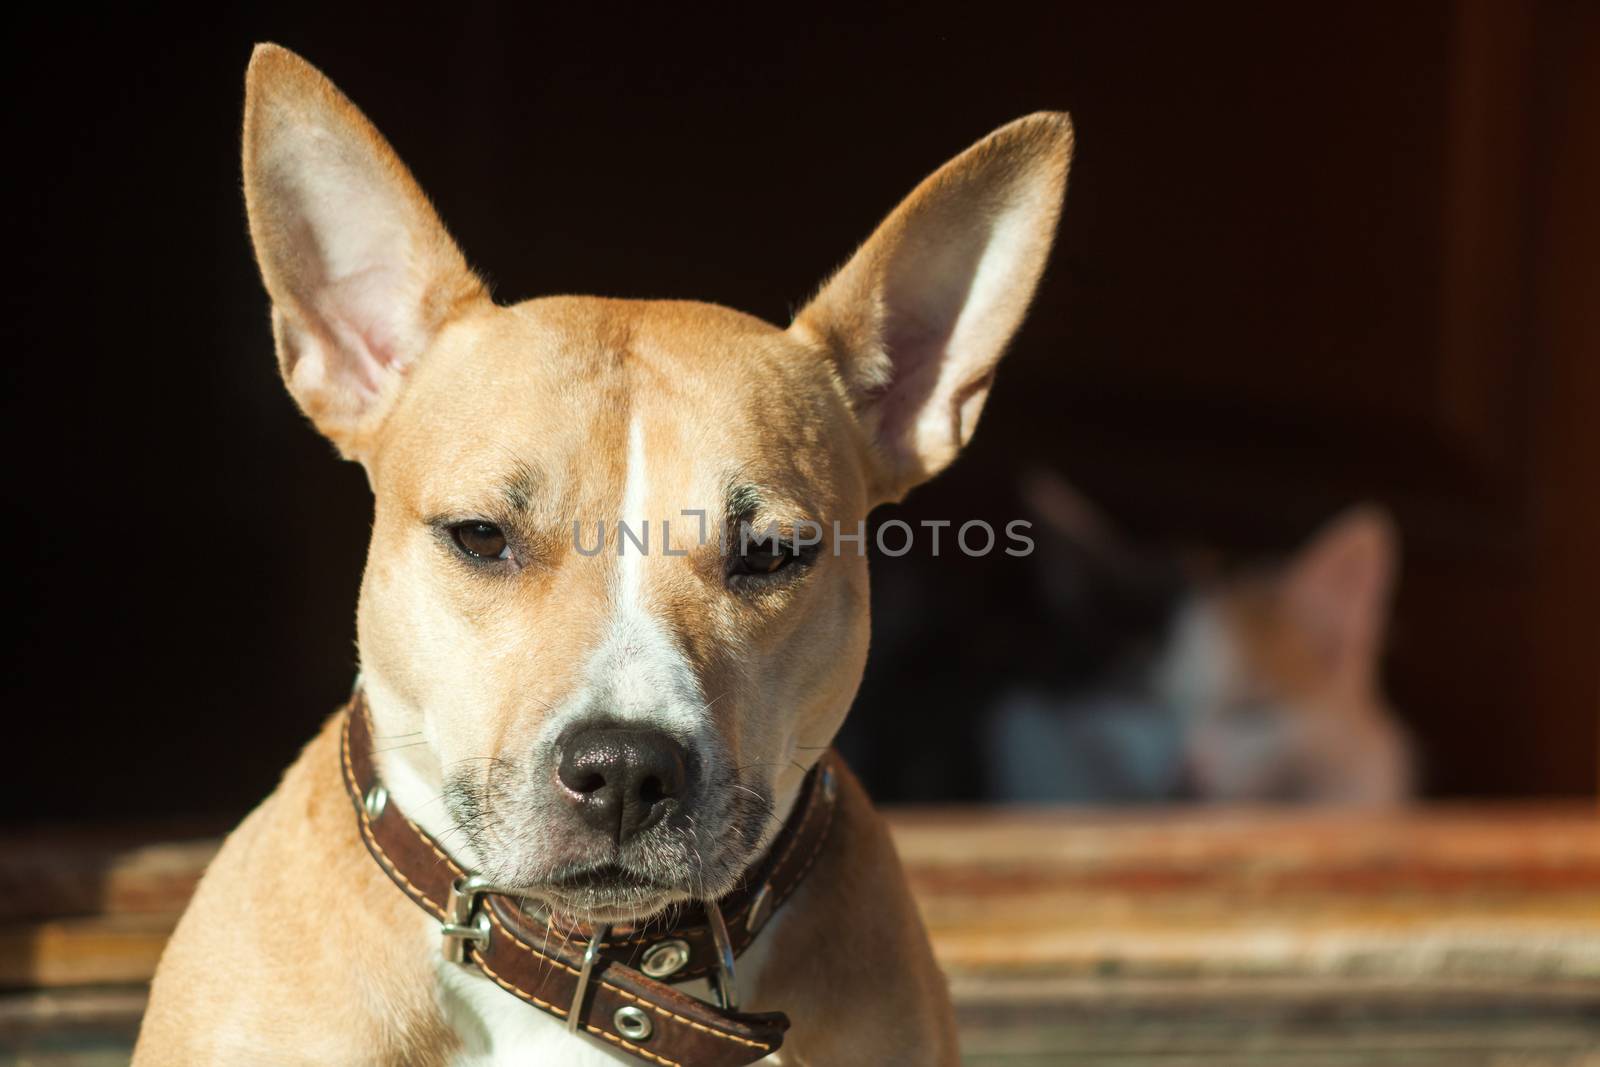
column 617, row 978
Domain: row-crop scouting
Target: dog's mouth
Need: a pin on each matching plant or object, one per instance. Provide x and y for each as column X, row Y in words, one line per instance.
column 607, row 891
column 530, row 840
column 605, row 878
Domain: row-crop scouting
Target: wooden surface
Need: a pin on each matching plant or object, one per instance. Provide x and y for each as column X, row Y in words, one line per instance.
column 1444, row 936
column 1499, row 893
column 1441, row 938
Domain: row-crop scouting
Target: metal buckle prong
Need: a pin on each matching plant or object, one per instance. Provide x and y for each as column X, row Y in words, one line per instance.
column 726, row 984
column 760, row 909
column 590, row 954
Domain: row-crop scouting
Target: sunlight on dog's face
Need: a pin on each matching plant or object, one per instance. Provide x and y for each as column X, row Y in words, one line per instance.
column 503, row 629
column 613, row 723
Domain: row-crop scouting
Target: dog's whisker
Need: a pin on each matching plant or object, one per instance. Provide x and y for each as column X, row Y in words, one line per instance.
column 397, row 748
column 435, row 800
column 465, row 826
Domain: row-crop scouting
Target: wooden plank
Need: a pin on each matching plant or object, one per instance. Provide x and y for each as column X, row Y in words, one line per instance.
column 1432, row 895
column 1025, row 1022
column 1528, row 844
column 1281, row 1023
column 113, row 1009
column 1419, row 895
column 145, row 870
column 81, row 952
column 70, row 1027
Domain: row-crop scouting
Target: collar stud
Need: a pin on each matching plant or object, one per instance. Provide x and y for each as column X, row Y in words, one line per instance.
column 632, row 1023
column 376, row 800
column 667, row 958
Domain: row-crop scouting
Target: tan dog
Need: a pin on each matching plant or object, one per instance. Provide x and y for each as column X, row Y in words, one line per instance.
column 493, row 643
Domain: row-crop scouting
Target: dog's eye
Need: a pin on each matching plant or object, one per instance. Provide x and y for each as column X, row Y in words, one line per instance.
column 761, row 558
column 481, row 540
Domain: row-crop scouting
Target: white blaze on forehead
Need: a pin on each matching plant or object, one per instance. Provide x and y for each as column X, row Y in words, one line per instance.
column 635, row 514
column 639, row 672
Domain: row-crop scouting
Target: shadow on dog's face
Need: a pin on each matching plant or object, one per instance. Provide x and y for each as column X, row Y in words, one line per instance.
column 612, row 717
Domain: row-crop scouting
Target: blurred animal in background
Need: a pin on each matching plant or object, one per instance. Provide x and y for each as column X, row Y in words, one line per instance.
column 1258, row 685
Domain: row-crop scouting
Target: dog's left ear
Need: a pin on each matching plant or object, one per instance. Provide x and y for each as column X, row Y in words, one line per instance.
column 361, row 272
column 919, row 317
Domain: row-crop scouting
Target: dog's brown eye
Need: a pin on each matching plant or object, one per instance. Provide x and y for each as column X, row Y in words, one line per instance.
column 481, row 540
column 763, row 557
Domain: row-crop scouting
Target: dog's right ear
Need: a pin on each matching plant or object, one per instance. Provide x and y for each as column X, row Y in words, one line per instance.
column 361, row 272
column 918, row 318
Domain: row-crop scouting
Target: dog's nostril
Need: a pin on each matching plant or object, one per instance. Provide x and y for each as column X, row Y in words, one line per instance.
column 588, row 783
column 583, row 771
column 651, row 790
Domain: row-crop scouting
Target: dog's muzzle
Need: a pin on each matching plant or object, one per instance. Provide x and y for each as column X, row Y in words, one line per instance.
column 612, row 981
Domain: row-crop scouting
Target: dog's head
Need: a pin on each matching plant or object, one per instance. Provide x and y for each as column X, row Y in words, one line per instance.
column 608, row 620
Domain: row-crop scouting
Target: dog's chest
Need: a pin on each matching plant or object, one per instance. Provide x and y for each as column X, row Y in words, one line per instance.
column 496, row 1029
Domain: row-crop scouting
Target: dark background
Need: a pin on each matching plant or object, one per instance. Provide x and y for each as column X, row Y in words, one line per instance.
column 1307, row 259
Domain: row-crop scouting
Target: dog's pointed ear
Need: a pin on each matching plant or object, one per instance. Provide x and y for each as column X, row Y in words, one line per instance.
column 361, row 272
column 919, row 317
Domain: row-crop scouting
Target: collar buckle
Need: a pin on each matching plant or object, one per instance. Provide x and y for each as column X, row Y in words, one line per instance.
column 464, row 921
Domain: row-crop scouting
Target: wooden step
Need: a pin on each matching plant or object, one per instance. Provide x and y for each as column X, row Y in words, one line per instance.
column 1441, row 936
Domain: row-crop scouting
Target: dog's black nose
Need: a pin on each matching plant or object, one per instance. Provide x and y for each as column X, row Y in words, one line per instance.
column 621, row 778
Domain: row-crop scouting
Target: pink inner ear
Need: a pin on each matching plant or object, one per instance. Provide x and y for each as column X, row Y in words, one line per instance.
column 914, row 356
column 925, row 290
column 362, row 309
